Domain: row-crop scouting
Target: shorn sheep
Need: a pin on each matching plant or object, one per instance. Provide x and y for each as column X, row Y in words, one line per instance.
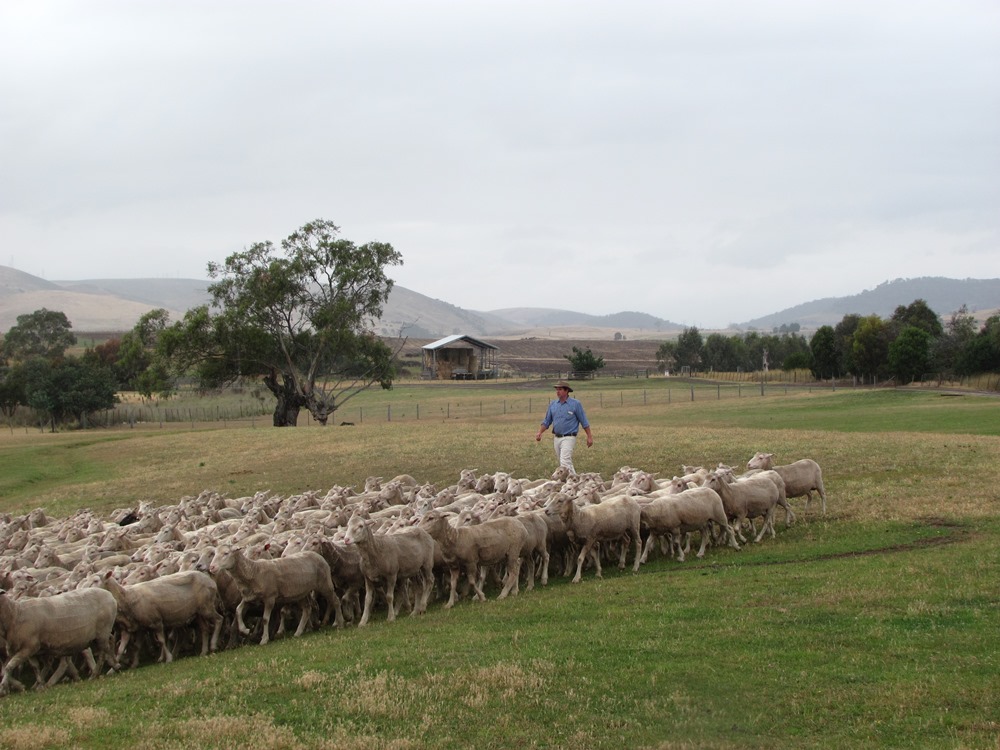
column 613, row 520
column 390, row 558
column 694, row 509
column 264, row 540
column 472, row 549
column 748, row 498
column 170, row 601
column 286, row 580
column 801, row 477
column 63, row 625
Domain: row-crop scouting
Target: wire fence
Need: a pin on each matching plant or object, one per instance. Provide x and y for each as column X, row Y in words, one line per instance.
column 479, row 407
column 479, row 404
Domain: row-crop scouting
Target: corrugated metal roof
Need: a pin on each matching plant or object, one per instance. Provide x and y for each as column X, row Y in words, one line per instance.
column 443, row 343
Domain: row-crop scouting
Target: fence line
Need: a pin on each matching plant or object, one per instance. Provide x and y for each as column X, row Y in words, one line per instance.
column 474, row 407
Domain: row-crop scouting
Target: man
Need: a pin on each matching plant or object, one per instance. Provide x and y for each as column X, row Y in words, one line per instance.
column 566, row 416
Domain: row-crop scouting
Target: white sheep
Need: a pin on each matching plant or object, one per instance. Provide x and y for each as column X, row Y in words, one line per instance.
column 391, row 558
column 286, row 580
column 610, row 521
column 750, row 497
column 169, row 601
column 801, row 477
column 694, row 509
column 471, row 549
column 63, row 625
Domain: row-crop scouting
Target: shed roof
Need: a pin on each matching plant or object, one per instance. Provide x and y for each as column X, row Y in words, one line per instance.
column 450, row 341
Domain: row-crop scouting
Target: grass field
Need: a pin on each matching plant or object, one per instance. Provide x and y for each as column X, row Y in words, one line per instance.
column 873, row 626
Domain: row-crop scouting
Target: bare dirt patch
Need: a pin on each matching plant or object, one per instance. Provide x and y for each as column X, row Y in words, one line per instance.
column 548, row 355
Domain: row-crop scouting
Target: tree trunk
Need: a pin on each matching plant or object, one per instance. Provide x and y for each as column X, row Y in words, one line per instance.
column 286, row 415
column 289, row 403
column 320, row 409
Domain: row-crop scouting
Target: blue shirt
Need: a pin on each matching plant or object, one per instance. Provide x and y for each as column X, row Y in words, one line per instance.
column 565, row 417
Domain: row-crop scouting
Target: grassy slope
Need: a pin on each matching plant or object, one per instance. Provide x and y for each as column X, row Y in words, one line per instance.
column 873, row 626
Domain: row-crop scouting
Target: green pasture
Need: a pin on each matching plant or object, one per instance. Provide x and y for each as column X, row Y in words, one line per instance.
column 876, row 625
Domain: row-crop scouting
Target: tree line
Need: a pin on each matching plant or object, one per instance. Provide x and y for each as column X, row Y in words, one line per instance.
column 913, row 342
column 298, row 320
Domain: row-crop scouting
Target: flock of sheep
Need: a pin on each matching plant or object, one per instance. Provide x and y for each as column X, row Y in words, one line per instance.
column 151, row 583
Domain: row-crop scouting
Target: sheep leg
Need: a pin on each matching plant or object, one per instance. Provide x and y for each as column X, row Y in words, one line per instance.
column 545, row 565
column 704, row 542
column 427, row 585
column 511, row 579
column 56, row 675
column 282, row 612
column 217, row 631
column 239, row 617
column 333, row 602
column 302, row 622
column 675, row 537
column 390, row 596
column 268, row 607
column 637, row 543
column 736, row 526
column 37, row 667
column 8, row 679
column 123, row 643
column 165, row 656
column 402, row 595
column 92, row 664
column 789, row 515
column 587, row 549
column 529, row 582
column 650, row 541
column 369, row 601
column 454, row 573
column 477, row 579
column 517, row 562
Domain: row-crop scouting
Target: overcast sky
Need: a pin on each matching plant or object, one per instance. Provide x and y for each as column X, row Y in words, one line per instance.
column 704, row 162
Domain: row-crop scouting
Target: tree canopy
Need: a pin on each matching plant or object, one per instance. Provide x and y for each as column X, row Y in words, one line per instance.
column 298, row 320
column 42, row 333
column 584, row 360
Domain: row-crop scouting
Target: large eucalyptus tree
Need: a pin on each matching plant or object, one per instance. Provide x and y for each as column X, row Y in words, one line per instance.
column 299, row 320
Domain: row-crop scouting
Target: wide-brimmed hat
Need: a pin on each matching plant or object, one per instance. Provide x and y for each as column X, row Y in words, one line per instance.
column 564, row 384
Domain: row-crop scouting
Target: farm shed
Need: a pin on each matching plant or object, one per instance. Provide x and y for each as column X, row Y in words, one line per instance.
column 459, row 357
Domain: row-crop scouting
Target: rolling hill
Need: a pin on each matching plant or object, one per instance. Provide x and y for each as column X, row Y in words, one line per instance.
column 110, row 305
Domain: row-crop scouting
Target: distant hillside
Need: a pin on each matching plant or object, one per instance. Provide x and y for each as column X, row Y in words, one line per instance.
column 944, row 296
column 539, row 317
column 172, row 294
column 116, row 304
column 414, row 315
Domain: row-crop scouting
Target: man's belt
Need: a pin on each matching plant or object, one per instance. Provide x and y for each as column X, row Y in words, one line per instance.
column 568, row 434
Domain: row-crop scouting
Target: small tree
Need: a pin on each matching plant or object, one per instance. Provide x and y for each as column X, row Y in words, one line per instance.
column 584, row 361
column 71, row 388
column 137, row 366
column 666, row 356
column 689, row 348
column 870, row 346
column 823, row 346
column 909, row 353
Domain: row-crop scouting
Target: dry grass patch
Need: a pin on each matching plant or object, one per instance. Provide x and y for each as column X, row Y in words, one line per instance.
column 33, row 738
